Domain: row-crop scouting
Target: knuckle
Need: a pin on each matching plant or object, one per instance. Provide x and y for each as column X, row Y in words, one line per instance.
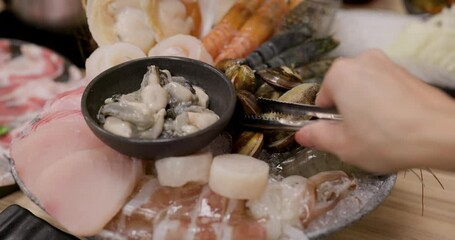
column 339, row 68
column 375, row 54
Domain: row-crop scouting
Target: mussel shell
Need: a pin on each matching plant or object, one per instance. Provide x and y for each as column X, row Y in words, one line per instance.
column 242, row 77
column 315, row 69
column 248, row 102
column 304, row 93
column 279, row 141
column 267, row 91
column 282, row 78
column 223, row 65
column 249, row 143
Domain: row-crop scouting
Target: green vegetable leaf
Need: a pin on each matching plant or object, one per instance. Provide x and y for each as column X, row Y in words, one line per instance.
column 3, row 130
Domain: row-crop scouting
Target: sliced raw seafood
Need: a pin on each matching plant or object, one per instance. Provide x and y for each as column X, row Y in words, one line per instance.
column 29, row 76
column 28, row 79
column 194, row 211
column 178, row 171
column 71, row 174
column 108, row 56
column 140, row 22
column 183, row 46
column 238, row 176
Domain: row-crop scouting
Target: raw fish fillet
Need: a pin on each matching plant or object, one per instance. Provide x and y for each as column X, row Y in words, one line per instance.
column 72, row 175
column 29, row 76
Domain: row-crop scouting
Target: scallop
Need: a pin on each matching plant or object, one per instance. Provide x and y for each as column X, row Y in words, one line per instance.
column 178, row 171
column 238, row 176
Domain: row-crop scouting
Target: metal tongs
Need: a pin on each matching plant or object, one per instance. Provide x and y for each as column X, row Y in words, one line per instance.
column 286, row 116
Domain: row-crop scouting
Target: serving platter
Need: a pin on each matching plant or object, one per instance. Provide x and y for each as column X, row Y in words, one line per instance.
column 370, row 191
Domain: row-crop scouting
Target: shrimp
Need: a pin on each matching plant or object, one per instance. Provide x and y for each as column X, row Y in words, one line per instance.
column 229, row 25
column 255, row 31
column 193, row 10
column 294, row 3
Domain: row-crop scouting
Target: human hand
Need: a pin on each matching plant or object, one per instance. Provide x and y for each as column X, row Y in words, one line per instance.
column 391, row 120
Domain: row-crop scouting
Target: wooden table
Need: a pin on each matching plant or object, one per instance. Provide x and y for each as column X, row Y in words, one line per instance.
column 400, row 215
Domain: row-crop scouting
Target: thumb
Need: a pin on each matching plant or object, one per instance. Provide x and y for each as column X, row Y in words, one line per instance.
column 323, row 135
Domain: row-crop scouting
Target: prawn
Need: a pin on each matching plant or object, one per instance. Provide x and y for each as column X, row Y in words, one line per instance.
column 256, row 30
column 420, row 178
column 229, row 25
column 193, row 10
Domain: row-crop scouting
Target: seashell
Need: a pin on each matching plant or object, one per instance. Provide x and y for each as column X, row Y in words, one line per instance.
column 315, row 69
column 242, row 77
column 280, row 141
column 249, row 143
column 249, row 103
column 223, row 65
column 304, row 93
column 267, row 91
column 283, row 78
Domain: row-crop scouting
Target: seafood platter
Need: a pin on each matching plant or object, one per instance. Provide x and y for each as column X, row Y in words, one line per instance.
column 252, row 180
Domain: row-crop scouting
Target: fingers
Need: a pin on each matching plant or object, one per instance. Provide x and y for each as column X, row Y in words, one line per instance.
column 323, row 135
column 324, row 98
column 343, row 73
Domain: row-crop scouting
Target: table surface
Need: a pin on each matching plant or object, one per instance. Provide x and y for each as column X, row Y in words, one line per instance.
column 398, row 217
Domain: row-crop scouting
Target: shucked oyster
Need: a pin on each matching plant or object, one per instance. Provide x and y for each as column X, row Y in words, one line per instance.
column 165, row 106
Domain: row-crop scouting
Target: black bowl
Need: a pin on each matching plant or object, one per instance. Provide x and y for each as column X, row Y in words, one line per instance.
column 127, row 77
